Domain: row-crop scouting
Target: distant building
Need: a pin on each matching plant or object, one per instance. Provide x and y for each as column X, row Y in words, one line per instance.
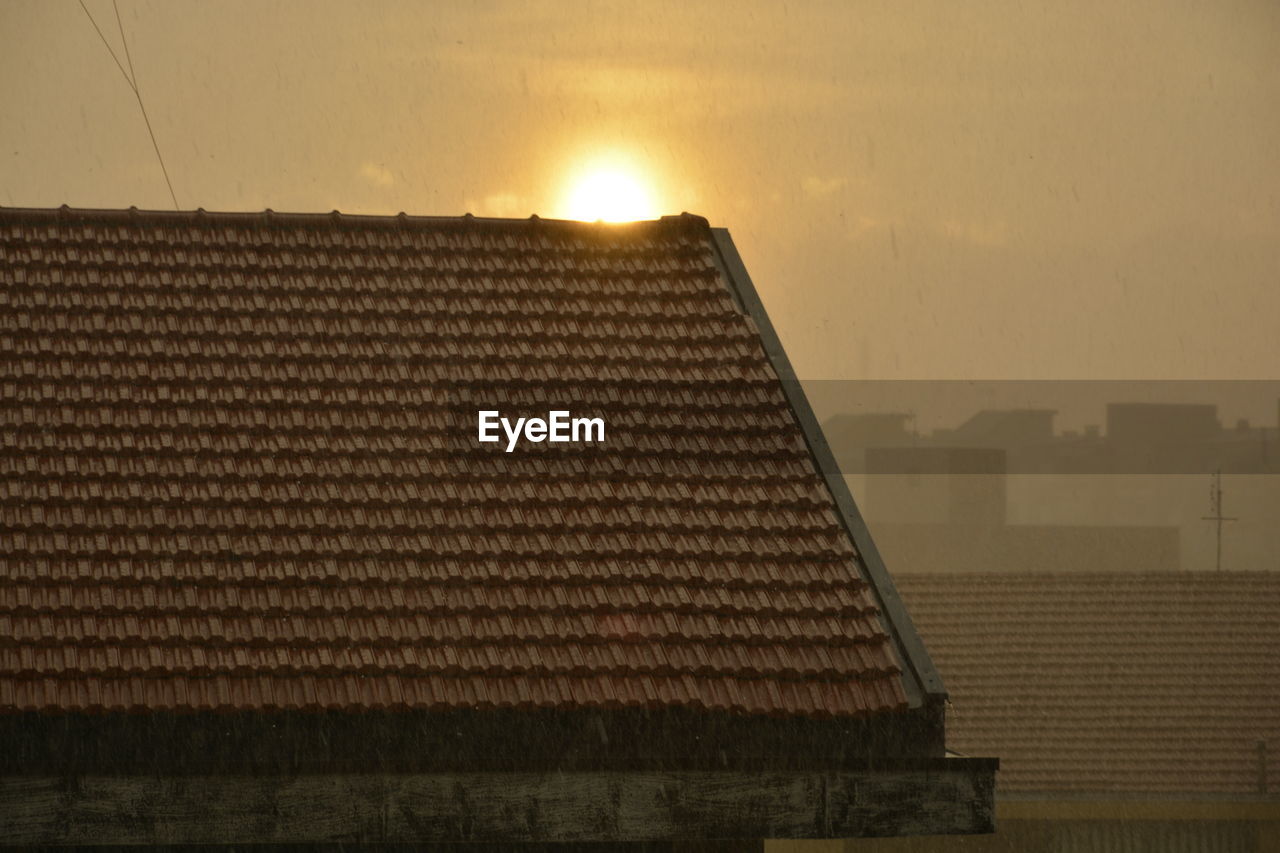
column 1161, row 437
column 1006, row 428
column 1139, row 438
column 937, row 485
column 945, row 509
column 1162, row 423
column 849, row 435
column 1132, row 498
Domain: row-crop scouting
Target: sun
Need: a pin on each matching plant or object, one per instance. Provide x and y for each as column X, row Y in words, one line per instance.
column 609, row 191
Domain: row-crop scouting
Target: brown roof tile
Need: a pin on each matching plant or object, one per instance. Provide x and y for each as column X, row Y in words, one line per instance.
column 232, row 475
column 1133, row 683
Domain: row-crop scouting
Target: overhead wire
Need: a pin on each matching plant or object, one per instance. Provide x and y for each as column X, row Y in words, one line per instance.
column 132, row 79
column 124, row 41
column 107, row 45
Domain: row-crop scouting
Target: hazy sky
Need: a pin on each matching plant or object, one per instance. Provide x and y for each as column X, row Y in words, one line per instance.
column 920, row 190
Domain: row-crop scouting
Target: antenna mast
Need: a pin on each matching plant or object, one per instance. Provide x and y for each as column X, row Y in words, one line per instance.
column 1215, row 507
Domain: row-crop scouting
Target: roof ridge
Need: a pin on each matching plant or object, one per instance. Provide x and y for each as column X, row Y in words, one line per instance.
column 271, row 217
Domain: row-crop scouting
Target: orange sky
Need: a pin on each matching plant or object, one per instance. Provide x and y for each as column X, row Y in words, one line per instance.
column 920, row 190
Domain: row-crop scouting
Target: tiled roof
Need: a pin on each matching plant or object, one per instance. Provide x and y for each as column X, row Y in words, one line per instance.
column 232, row 474
column 1110, row 683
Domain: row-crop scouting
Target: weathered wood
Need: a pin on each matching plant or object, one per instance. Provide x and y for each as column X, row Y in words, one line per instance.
column 535, row 807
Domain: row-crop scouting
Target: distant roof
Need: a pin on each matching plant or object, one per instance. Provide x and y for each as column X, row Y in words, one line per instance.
column 227, row 479
column 1090, row 683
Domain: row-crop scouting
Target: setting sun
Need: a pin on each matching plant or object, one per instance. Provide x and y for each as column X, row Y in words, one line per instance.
column 609, row 192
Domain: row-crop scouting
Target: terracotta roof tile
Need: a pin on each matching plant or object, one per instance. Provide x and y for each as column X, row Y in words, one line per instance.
column 231, row 475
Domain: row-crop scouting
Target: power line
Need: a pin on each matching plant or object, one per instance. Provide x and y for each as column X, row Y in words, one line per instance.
column 107, row 45
column 142, row 107
column 132, row 79
column 120, row 25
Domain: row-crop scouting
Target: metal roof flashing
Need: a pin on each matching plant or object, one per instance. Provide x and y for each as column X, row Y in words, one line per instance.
column 921, row 681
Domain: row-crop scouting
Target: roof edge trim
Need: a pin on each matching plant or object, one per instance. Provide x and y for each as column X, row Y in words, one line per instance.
column 925, row 680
